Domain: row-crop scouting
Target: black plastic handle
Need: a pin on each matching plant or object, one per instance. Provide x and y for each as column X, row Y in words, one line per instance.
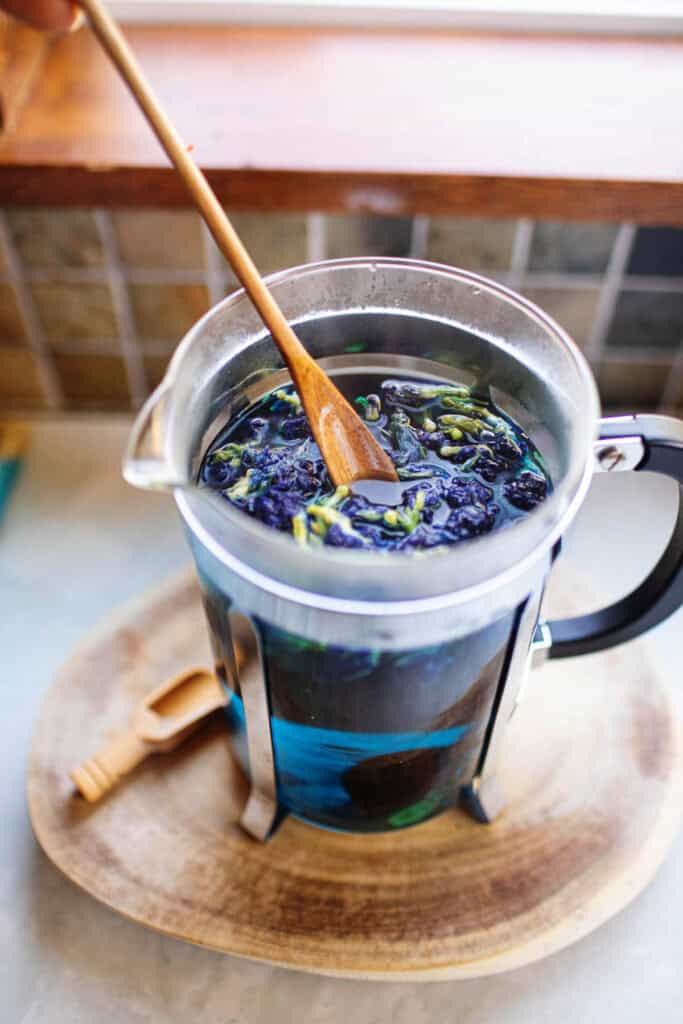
column 658, row 444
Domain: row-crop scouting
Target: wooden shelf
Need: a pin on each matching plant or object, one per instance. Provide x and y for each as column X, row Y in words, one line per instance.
column 392, row 122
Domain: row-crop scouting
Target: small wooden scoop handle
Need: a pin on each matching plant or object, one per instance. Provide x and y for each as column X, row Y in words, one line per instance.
column 100, row 773
column 194, row 695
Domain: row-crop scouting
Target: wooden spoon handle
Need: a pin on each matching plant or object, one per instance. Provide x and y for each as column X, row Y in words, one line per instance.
column 222, row 230
column 100, row 773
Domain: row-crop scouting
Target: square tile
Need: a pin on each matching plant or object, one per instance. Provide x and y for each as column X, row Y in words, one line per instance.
column 573, row 308
column 275, row 240
column 657, row 251
column 56, row 238
column 572, row 248
column 11, row 328
column 155, row 368
column 647, row 320
column 75, row 312
column 353, row 235
column 167, row 311
column 629, row 385
column 93, row 381
column 474, row 244
column 160, row 238
column 20, row 385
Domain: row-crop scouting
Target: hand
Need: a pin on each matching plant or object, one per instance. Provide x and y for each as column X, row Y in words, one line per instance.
column 52, row 15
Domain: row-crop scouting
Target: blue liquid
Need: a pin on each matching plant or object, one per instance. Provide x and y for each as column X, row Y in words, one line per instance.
column 466, row 469
column 368, row 740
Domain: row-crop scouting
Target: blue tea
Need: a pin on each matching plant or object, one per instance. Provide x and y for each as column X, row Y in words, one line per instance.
column 370, row 740
column 466, row 469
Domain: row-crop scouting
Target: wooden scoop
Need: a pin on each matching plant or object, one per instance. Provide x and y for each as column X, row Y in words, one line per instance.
column 347, row 446
column 160, row 723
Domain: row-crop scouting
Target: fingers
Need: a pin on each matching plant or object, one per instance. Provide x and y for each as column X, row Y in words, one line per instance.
column 53, row 15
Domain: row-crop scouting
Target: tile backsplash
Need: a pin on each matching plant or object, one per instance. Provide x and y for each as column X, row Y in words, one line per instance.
column 93, row 303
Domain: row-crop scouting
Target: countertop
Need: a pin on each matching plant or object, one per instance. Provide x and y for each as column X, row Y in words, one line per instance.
column 76, row 543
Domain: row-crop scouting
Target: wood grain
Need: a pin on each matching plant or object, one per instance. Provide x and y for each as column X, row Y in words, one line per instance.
column 592, row 766
column 392, row 122
column 22, row 52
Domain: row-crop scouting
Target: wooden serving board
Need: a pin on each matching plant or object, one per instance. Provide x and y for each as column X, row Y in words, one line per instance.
column 592, row 768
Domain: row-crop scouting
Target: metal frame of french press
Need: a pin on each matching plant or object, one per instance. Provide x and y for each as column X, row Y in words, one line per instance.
column 533, row 640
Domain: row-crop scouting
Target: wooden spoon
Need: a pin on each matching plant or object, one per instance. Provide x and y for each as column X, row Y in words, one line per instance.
column 159, row 724
column 350, row 451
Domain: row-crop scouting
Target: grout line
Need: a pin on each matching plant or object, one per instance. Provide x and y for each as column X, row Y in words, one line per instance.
column 671, row 393
column 419, row 237
column 47, row 370
column 561, row 281
column 67, row 275
column 658, row 357
column 215, row 274
column 609, row 293
column 112, row 346
column 128, row 343
column 316, row 237
column 658, row 283
column 100, row 275
column 521, row 249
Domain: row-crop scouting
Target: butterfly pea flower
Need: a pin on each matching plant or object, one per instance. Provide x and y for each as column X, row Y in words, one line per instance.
column 471, row 520
column 241, row 488
column 231, row 453
column 415, row 472
column 335, row 499
column 325, row 516
column 412, row 393
column 371, row 407
column 273, row 471
column 218, row 474
column 431, row 440
column 300, row 529
column 526, row 491
column 466, row 424
column 463, row 490
column 295, row 427
column 289, row 398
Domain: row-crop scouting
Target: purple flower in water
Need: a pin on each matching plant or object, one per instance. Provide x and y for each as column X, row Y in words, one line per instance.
column 464, row 452
column 471, row 520
column 527, row 491
column 355, row 504
column 403, row 392
column 507, row 450
column 433, row 493
column 434, row 439
column 219, row 475
column 420, row 539
column 336, row 537
column 463, row 490
column 489, row 469
column 276, row 509
column 295, row 427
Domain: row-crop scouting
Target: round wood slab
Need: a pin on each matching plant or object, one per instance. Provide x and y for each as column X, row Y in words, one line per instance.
column 591, row 766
